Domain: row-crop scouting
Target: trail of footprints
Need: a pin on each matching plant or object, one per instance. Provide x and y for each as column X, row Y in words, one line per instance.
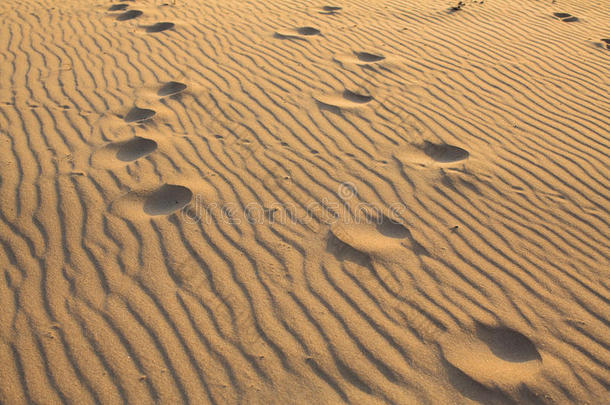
column 127, row 15
column 167, row 198
column 480, row 354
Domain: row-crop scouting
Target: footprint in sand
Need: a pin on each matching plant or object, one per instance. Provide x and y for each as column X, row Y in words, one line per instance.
column 167, row 199
column 160, row 27
column 129, row 15
column 565, row 17
column 330, row 10
column 297, row 33
column 372, row 233
column 494, row 356
column 118, row 7
column 344, row 252
column 443, row 153
column 118, row 153
column 137, row 114
column 134, row 149
column 347, row 99
column 432, row 154
column 171, row 89
column 360, row 58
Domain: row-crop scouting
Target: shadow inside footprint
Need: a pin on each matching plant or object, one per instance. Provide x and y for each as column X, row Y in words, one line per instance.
column 369, row 57
column 167, row 199
column 565, row 17
column 495, row 356
column 391, row 229
column 445, row 153
column 356, row 98
column 300, row 33
column 139, row 114
column 347, row 99
column 507, row 344
column 135, row 148
column 171, row 88
column 342, row 251
column 307, row 31
column 159, row 27
column 330, row 9
column 129, row 15
column 118, row 7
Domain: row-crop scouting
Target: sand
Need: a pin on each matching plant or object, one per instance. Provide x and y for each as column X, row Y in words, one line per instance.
column 303, row 202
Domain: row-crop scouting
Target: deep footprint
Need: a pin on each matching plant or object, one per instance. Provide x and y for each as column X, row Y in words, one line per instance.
column 348, row 99
column 160, row 27
column 136, row 148
column 507, row 344
column 308, row 31
column 369, row 57
column 565, row 17
column 494, row 356
column 357, row 98
column 139, row 114
column 298, row 33
column 373, row 233
column 118, row 7
column 342, row 251
column 445, row 153
column 360, row 58
column 167, row 199
column 330, row 10
column 129, row 15
column 171, row 88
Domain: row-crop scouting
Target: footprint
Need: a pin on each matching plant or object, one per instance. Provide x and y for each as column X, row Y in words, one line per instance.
column 344, row 252
column 139, row 114
column 159, row 27
column 348, row 99
column 361, row 58
column 123, row 152
column 135, row 148
column 129, row 15
column 369, row 57
column 298, row 33
column 167, row 199
column 443, row 153
column 308, row 31
column 431, row 154
column 493, row 356
column 372, row 233
column 118, row 7
column 565, row 17
column 330, row 9
column 171, row 89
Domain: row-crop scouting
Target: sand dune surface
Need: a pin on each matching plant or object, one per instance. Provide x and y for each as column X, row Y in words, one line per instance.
column 301, row 202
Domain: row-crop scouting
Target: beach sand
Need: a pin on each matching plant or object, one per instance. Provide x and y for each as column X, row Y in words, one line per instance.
column 303, row 202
